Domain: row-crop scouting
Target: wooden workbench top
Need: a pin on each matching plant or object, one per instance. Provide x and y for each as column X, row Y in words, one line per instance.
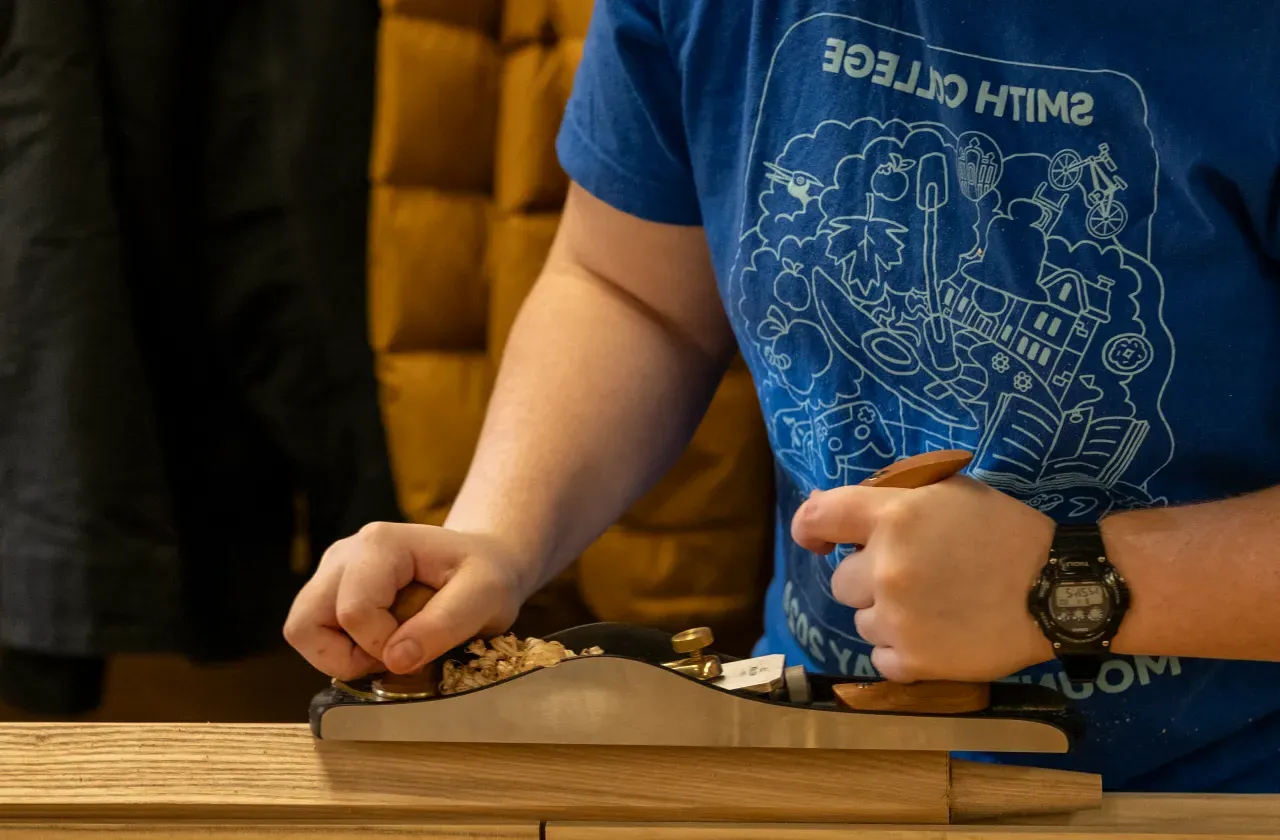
column 220, row 780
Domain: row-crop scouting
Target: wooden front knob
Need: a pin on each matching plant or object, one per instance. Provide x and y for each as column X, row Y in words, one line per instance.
column 425, row 681
column 410, row 601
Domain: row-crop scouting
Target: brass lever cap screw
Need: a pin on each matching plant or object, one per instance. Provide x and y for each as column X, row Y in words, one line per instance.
column 692, row 641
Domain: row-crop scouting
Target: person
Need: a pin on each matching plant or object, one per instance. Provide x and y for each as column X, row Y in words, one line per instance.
column 1047, row 234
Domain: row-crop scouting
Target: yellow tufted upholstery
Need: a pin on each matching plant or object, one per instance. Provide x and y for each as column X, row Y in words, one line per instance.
column 467, row 190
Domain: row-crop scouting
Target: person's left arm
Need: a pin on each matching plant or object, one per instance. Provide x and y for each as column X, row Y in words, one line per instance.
column 942, row 579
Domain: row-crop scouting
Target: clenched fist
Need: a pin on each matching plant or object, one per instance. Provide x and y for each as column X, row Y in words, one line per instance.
column 341, row 620
column 941, row 579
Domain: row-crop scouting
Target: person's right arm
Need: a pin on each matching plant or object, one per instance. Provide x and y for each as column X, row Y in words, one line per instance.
column 612, row 362
column 608, row 370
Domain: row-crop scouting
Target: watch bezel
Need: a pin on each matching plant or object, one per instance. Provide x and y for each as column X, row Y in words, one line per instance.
column 1063, row 640
column 1070, row 561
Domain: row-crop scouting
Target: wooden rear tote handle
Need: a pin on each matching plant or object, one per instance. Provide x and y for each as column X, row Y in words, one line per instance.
column 933, row 697
column 930, row 697
column 920, row 470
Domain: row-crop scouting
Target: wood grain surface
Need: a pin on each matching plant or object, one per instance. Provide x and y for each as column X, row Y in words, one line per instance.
column 615, row 831
column 1238, row 813
column 216, row 772
column 231, row 781
column 1121, row 817
column 251, row 831
column 984, row 791
column 556, row 831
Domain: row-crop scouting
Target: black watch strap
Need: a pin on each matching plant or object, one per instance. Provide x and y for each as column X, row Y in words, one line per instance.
column 1081, row 667
column 1076, row 542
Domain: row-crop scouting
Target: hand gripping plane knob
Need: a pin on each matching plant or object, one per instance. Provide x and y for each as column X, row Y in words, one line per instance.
column 425, row 682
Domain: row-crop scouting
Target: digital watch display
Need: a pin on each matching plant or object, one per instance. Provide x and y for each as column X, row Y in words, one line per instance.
column 1079, row 600
column 1080, row 609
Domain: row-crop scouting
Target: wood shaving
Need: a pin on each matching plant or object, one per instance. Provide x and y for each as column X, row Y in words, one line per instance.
column 503, row 657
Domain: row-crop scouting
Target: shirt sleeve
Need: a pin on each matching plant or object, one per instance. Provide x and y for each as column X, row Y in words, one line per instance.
column 623, row 137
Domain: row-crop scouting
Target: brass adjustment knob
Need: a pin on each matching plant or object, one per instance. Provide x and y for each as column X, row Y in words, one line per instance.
column 692, row 641
column 690, row 644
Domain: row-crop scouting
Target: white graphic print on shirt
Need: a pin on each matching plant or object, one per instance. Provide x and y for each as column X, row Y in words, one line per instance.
column 955, row 253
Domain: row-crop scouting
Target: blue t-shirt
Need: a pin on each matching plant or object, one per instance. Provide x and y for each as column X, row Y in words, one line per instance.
column 1047, row 233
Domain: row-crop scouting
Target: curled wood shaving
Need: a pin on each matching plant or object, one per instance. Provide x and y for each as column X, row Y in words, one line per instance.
column 504, row 656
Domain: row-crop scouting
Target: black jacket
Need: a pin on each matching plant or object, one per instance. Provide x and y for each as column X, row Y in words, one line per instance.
column 183, row 356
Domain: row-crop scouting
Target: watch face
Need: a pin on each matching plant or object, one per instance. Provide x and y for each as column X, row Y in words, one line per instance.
column 1080, row 608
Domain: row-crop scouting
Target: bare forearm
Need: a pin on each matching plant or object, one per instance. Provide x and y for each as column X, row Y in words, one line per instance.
column 595, row 398
column 1205, row 579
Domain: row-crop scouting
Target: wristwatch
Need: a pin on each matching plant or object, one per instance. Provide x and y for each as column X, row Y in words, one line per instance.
column 1079, row 600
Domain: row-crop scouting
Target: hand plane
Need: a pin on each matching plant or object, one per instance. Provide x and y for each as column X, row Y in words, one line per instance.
column 648, row 687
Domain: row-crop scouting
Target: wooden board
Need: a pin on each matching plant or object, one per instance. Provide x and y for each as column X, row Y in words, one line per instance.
column 218, row 772
column 1155, row 829
column 214, row 781
column 772, row 832
column 1247, row 814
column 267, row 831
column 1121, row 817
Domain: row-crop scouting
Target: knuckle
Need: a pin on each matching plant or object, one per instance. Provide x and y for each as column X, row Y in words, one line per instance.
column 888, row 577
column 334, row 551
column 843, row 591
column 351, row 614
column 891, row 624
column 375, row 533
column 300, row 624
column 331, row 558
column 812, row 510
column 807, row 518
column 902, row 671
column 898, row 515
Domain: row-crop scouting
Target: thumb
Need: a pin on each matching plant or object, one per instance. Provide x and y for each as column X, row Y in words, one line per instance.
column 459, row 611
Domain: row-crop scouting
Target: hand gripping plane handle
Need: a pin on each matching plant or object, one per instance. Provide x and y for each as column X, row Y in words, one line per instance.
column 931, row 697
column 936, row 697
